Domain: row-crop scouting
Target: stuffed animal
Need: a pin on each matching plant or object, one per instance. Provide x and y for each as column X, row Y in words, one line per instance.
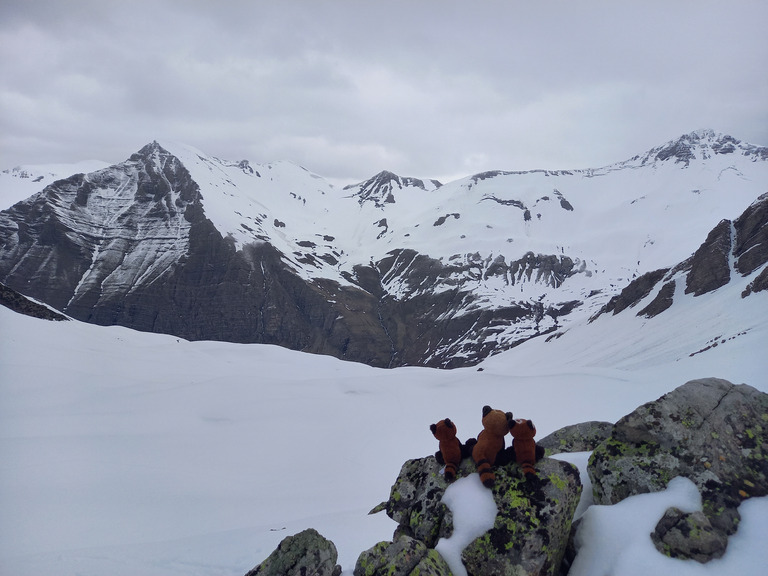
column 451, row 450
column 490, row 443
column 524, row 449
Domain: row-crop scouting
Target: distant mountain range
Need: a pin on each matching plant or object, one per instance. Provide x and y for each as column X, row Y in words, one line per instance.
column 392, row 271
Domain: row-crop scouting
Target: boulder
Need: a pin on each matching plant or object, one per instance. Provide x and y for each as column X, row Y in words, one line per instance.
column 415, row 500
column 404, row 557
column 711, row 431
column 688, row 535
column 583, row 437
column 304, row 553
column 533, row 522
column 531, row 529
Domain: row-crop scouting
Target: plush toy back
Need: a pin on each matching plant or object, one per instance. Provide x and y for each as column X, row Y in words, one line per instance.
column 450, row 452
column 524, row 445
column 490, row 442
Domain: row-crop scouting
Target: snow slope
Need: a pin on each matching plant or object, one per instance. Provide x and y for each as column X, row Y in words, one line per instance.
column 133, row 453
column 21, row 182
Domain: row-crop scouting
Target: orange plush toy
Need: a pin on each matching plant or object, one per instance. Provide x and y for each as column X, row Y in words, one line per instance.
column 524, row 449
column 451, row 451
column 490, row 443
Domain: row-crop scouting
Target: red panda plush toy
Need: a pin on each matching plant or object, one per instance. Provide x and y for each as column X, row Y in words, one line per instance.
column 451, row 451
column 524, row 449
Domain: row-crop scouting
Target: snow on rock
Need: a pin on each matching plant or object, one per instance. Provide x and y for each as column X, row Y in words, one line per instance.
column 474, row 513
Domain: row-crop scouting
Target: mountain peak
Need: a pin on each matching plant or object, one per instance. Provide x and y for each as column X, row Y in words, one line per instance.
column 380, row 188
column 700, row 145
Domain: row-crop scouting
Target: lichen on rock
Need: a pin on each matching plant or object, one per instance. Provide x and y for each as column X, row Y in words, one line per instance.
column 533, row 523
column 307, row 552
column 404, row 556
column 531, row 529
column 582, row 437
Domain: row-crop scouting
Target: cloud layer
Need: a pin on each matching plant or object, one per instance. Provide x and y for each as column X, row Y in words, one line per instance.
column 347, row 88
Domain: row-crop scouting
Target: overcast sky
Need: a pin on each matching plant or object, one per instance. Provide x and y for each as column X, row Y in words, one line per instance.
column 347, row 88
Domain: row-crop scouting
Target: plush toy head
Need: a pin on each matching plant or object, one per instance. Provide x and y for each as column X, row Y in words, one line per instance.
column 523, row 429
column 444, row 430
column 496, row 422
column 450, row 452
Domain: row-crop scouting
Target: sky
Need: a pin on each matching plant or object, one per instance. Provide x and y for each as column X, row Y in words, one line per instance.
column 432, row 89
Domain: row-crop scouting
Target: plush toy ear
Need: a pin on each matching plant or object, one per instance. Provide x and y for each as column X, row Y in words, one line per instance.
column 433, row 427
column 530, row 424
column 449, row 423
column 510, row 418
column 486, row 409
column 511, row 423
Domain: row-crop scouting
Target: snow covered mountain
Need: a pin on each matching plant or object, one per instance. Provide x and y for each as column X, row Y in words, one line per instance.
column 392, row 271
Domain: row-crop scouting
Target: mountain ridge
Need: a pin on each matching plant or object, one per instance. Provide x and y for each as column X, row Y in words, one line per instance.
column 391, row 271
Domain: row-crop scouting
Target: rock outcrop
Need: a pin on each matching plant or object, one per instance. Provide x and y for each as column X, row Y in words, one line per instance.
column 711, row 431
column 688, row 535
column 731, row 248
column 531, row 528
column 403, row 557
column 302, row 554
column 582, row 437
column 23, row 305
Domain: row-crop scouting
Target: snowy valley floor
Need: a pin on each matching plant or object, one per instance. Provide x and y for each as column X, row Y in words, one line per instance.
column 128, row 453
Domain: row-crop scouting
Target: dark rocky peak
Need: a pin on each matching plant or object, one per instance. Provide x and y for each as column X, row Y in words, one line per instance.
column 151, row 150
column 380, row 189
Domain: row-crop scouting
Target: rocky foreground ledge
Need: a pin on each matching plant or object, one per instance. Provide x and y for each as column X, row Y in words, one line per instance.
column 711, row 431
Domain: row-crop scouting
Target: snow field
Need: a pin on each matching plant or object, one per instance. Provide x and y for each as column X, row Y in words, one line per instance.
column 145, row 454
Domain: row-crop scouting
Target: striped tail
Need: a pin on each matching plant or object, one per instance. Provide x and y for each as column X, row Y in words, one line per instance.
column 487, row 477
column 450, row 471
column 528, row 469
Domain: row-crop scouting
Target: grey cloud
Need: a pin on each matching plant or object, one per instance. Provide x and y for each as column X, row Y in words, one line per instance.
column 348, row 88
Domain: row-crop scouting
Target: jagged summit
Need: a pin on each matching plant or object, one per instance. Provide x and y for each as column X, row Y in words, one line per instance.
column 380, row 189
column 701, row 145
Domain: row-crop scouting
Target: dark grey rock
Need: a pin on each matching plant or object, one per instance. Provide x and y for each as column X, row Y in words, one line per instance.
column 302, row 554
column 633, row 292
column 415, row 500
column 710, row 264
column 404, row 557
column 751, row 249
column 663, row 300
column 759, row 284
column 711, row 431
column 688, row 535
column 582, row 437
column 23, row 305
